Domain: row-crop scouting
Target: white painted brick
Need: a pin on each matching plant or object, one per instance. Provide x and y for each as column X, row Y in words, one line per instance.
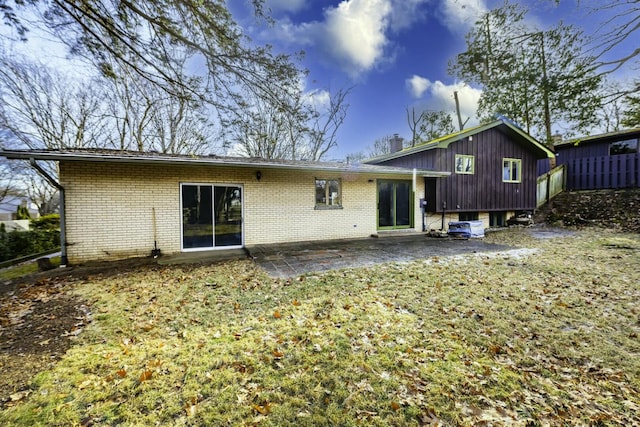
column 109, row 206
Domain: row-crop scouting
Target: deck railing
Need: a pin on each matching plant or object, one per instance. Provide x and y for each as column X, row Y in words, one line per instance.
column 550, row 185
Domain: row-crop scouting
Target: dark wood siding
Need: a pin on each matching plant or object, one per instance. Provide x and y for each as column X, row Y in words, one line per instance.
column 587, row 150
column 425, row 160
column 589, row 165
column 484, row 190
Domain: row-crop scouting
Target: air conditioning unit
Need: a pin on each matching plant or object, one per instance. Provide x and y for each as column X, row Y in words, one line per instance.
column 466, row 229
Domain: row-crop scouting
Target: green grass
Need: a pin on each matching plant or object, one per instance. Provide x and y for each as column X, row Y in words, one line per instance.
column 23, row 269
column 542, row 338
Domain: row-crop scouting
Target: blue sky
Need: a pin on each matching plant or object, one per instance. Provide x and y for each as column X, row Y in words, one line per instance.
column 393, row 52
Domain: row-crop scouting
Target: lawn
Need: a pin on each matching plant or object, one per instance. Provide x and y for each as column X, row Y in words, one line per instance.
column 543, row 336
column 24, row 268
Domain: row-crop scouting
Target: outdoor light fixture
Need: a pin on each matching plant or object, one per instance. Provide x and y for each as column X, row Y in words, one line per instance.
column 258, row 175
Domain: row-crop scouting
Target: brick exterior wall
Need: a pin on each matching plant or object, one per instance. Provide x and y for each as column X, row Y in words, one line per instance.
column 109, row 206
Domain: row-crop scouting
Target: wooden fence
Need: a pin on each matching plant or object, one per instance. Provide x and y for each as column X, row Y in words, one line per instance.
column 593, row 173
column 550, row 185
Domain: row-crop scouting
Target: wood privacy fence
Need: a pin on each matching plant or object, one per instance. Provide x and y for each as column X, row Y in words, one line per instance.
column 550, row 185
column 593, row 173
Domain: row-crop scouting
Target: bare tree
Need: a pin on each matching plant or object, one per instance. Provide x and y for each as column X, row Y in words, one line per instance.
column 262, row 130
column 298, row 127
column 611, row 113
column 146, row 118
column 621, row 23
column 42, row 109
column 128, row 111
column 39, row 191
column 8, row 179
column 140, row 34
column 414, row 120
column 380, row 147
column 325, row 125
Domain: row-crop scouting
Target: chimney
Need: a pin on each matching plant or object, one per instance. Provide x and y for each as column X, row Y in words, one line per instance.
column 395, row 143
column 557, row 138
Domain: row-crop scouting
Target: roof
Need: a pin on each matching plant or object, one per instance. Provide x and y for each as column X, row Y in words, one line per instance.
column 602, row 137
column 117, row 156
column 445, row 141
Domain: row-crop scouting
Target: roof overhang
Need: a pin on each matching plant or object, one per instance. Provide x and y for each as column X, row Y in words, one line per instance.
column 214, row 161
column 446, row 140
column 602, row 137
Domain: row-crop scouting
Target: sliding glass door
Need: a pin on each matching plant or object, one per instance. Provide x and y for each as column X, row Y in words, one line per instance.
column 211, row 216
column 394, row 204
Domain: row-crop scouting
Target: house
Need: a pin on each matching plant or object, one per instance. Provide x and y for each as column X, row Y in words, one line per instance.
column 492, row 173
column 117, row 204
column 9, row 212
column 608, row 160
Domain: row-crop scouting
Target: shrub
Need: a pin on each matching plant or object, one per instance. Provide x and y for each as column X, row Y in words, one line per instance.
column 16, row 244
column 46, row 222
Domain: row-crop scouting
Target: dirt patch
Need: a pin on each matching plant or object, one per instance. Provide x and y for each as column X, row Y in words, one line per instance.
column 615, row 209
column 37, row 324
column 39, row 319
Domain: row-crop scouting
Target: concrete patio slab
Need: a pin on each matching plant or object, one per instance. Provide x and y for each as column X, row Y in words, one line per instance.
column 295, row 259
column 298, row 258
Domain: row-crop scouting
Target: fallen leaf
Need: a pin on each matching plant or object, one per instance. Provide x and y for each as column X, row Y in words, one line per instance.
column 122, row 373
column 19, row 395
column 146, row 375
column 190, row 410
column 395, row 406
column 84, row 384
column 262, row 409
column 296, row 302
column 277, row 314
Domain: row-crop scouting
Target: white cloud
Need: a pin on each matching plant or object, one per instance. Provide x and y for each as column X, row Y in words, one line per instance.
column 355, row 33
column 460, row 15
column 407, row 12
column 417, row 85
column 320, row 99
column 438, row 96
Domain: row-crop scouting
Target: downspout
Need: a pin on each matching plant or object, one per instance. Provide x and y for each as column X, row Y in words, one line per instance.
column 63, row 229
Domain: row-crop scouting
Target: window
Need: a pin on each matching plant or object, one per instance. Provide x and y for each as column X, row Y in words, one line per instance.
column 497, row 219
column 468, row 216
column 464, row 164
column 328, row 193
column 511, row 170
column 630, row 146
